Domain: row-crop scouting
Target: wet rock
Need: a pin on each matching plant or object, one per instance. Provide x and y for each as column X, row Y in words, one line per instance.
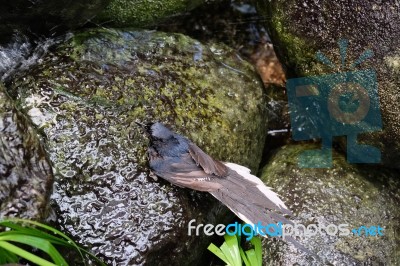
column 301, row 28
column 43, row 16
column 25, row 173
column 234, row 23
column 85, row 97
column 344, row 194
column 238, row 25
column 134, row 13
column 20, row 53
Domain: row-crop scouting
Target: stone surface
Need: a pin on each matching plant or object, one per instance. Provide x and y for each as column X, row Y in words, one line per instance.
column 299, row 29
column 25, row 174
column 344, row 194
column 85, row 97
column 38, row 17
column 139, row 13
column 234, row 23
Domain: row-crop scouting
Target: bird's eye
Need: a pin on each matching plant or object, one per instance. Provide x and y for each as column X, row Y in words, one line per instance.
column 158, row 139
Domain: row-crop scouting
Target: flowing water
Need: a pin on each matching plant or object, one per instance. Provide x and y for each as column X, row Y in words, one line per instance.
column 21, row 52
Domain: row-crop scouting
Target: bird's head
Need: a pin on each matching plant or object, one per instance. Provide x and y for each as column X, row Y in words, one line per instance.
column 156, row 131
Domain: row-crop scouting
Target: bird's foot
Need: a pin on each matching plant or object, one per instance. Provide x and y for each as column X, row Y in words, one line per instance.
column 153, row 176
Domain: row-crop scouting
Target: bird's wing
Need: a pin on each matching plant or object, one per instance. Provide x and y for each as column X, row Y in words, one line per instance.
column 253, row 202
column 209, row 165
column 248, row 191
column 185, row 172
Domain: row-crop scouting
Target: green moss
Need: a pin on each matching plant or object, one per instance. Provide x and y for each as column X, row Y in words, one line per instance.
column 26, row 175
column 98, row 84
column 301, row 28
column 139, row 13
column 295, row 50
column 344, row 194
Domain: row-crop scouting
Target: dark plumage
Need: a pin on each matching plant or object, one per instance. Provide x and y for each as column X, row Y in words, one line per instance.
column 179, row 161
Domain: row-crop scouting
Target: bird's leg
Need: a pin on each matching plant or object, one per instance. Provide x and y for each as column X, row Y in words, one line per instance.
column 152, row 154
column 153, row 176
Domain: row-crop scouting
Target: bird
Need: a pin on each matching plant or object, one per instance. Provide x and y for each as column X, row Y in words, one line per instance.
column 178, row 160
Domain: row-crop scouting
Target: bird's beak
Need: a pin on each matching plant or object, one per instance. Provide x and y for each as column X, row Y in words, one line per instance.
column 144, row 127
column 140, row 124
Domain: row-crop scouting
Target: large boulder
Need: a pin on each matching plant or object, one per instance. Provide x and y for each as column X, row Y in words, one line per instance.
column 26, row 178
column 139, row 13
column 344, row 194
column 84, row 98
column 299, row 29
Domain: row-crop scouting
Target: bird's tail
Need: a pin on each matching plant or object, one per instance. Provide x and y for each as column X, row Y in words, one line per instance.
column 253, row 202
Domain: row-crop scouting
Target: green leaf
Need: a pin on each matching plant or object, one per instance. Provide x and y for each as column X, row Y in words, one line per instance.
column 244, row 257
column 7, row 257
column 251, row 256
column 225, row 249
column 36, row 233
column 228, row 252
column 22, row 227
column 12, row 223
column 25, row 254
column 217, row 252
column 231, row 249
column 256, row 241
column 233, row 254
column 38, row 243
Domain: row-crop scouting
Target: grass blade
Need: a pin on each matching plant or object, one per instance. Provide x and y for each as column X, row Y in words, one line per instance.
column 39, row 234
column 244, row 257
column 217, row 252
column 251, row 256
column 233, row 249
column 224, row 248
column 7, row 257
column 256, row 241
column 40, row 225
column 38, row 243
column 22, row 227
column 25, row 254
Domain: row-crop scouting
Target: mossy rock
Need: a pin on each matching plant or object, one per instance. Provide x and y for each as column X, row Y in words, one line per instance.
column 25, row 174
column 141, row 13
column 344, row 194
column 299, row 29
column 41, row 17
column 84, row 98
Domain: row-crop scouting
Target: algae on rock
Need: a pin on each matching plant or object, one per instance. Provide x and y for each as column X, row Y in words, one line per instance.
column 141, row 13
column 299, row 29
column 25, row 173
column 85, row 97
column 344, row 194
